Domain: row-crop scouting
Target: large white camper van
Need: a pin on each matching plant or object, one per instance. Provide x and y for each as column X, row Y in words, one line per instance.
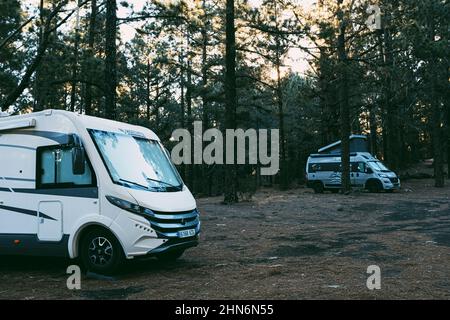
column 79, row 186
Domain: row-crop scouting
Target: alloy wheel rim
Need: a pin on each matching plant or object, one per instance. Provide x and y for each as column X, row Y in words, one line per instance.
column 100, row 251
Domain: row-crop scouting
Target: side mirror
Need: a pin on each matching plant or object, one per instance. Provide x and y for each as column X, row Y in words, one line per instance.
column 78, row 160
column 78, row 156
column 369, row 170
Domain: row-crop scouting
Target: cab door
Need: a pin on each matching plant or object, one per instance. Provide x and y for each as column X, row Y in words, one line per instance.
column 358, row 174
column 63, row 195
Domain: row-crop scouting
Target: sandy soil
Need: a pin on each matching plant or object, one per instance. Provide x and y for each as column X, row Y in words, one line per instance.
column 282, row 245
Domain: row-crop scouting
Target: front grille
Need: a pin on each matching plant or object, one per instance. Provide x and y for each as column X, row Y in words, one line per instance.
column 394, row 180
column 168, row 224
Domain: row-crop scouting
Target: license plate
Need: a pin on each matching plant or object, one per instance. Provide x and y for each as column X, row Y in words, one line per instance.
column 186, row 233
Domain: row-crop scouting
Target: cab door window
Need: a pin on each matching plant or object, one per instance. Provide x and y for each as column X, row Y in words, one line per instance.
column 55, row 169
column 359, row 167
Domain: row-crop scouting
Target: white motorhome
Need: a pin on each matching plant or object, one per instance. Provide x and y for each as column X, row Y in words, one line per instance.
column 323, row 172
column 78, row 186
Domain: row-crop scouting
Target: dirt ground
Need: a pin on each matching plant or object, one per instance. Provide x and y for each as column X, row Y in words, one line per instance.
column 281, row 245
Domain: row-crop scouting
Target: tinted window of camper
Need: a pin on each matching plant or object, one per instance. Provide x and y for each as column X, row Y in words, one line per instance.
column 317, row 167
column 55, row 166
column 358, row 167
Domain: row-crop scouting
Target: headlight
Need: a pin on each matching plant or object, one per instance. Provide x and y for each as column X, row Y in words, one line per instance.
column 125, row 205
column 382, row 175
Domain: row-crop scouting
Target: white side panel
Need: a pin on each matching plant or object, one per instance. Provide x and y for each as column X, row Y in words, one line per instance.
column 15, row 222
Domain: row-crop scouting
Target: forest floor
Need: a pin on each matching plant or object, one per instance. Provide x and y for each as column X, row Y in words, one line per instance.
column 281, row 245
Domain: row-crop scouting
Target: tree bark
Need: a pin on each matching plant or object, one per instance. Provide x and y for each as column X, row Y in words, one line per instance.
column 448, row 133
column 90, row 54
column 182, row 109
column 74, row 71
column 204, row 98
column 38, row 81
column 373, row 130
column 392, row 114
column 148, row 88
column 283, row 172
column 110, row 59
column 436, row 114
column 231, row 99
column 205, row 187
column 344, row 103
column 190, row 120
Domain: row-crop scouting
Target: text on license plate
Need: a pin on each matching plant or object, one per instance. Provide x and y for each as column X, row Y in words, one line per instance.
column 186, row 233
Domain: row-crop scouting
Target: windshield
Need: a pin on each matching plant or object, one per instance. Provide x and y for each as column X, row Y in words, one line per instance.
column 137, row 162
column 378, row 166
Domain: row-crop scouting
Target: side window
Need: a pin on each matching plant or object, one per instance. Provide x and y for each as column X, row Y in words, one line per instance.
column 361, row 167
column 326, row 167
column 55, row 169
column 334, row 167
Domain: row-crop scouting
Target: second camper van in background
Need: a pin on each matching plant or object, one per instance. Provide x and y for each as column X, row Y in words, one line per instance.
column 323, row 170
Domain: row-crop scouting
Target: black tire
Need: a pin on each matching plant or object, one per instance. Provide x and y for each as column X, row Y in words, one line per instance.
column 318, row 187
column 374, row 186
column 101, row 252
column 170, row 256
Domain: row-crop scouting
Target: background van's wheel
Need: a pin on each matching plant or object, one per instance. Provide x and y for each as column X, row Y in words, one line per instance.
column 170, row 255
column 101, row 252
column 318, row 187
column 374, row 186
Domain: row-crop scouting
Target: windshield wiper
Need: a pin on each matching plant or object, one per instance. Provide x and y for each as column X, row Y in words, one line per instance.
column 134, row 183
column 166, row 183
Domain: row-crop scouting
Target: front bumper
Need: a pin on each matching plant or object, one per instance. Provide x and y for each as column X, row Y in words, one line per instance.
column 174, row 244
column 390, row 185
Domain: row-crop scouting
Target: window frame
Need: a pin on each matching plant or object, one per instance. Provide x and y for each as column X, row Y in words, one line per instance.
column 67, row 185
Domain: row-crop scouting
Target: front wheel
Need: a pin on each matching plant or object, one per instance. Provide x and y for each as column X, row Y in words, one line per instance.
column 374, row 186
column 101, row 252
column 170, row 256
column 318, row 187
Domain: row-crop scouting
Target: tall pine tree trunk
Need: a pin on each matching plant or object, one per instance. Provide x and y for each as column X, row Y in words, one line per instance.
column 231, row 100
column 448, row 132
column 204, row 98
column 73, row 90
column 373, row 130
column 190, row 120
column 392, row 112
column 38, row 104
column 205, row 186
column 148, row 89
column 90, row 54
column 344, row 103
column 436, row 114
column 182, row 109
column 283, row 168
column 110, row 59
